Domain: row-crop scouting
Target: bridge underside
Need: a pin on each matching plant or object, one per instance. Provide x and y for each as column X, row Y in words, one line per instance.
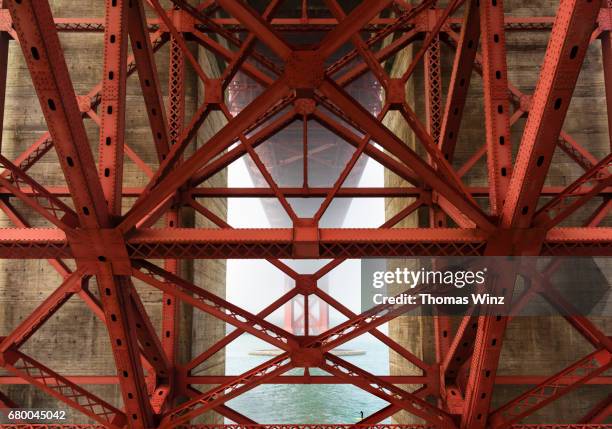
column 94, row 230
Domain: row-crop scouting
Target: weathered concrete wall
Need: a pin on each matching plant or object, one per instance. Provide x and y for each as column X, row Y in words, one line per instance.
column 74, row 341
column 532, row 346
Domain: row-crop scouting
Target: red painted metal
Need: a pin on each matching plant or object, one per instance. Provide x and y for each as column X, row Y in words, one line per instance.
column 299, row 83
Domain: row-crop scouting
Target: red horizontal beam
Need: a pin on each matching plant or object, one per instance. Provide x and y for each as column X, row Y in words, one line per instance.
column 514, row 380
column 296, row 192
column 96, row 25
column 187, row 243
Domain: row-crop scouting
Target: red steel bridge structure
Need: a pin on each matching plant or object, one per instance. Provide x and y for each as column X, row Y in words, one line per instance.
column 506, row 217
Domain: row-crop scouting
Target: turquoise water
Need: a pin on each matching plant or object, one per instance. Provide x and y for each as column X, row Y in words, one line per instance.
column 314, row 403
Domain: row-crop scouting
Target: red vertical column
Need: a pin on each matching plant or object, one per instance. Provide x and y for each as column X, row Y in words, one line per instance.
column 496, row 105
column 114, row 289
column 112, row 114
column 176, row 119
column 606, row 53
column 433, row 105
column 4, row 41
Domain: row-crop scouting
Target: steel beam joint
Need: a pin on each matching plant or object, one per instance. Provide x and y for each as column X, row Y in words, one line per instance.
column 305, row 239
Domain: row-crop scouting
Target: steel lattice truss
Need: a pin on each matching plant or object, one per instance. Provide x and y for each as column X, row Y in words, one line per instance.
column 299, row 84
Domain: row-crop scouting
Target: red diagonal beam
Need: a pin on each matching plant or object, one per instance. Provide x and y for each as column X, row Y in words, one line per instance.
column 39, row 148
column 147, row 337
column 606, row 57
column 361, row 324
column 350, row 165
column 258, row 26
column 496, row 105
column 221, row 394
column 64, row 390
column 147, row 73
column 214, row 146
column 42, row 313
column 350, row 25
column 7, row 404
column 178, row 39
column 372, row 151
column 177, row 149
column 224, row 410
column 429, row 39
column 581, row 323
column 4, row 47
column 403, row 19
column 487, row 349
column 212, row 304
column 226, row 34
column 562, row 62
column 217, row 48
column 160, row 370
column 559, row 208
column 219, row 345
column 38, row 198
column 392, row 144
column 115, row 297
column 460, row 80
column 551, row 389
column 364, row 51
column 262, row 169
column 387, row 391
column 33, row 22
column 241, row 55
column 600, row 412
column 398, row 348
column 112, row 115
column 443, row 166
column 383, row 54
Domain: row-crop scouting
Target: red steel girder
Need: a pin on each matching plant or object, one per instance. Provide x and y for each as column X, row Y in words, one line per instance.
column 39, row 198
column 460, row 80
column 606, row 57
column 387, row 391
column 599, row 412
column 115, row 297
column 66, row 391
column 310, row 192
column 392, row 144
column 258, row 26
column 39, row 148
column 149, row 79
column 221, row 394
column 112, row 116
column 212, row 304
column 218, row 143
column 559, row 208
column 496, row 106
column 551, row 389
column 42, row 313
column 4, row 45
column 569, row 40
column 37, row 243
column 487, row 350
column 502, row 380
column 41, row 48
column 187, row 243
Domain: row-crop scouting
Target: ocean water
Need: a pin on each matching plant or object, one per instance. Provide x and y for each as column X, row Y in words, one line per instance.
column 314, row 403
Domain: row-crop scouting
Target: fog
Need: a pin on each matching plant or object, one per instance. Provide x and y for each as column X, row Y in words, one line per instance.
column 253, row 284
